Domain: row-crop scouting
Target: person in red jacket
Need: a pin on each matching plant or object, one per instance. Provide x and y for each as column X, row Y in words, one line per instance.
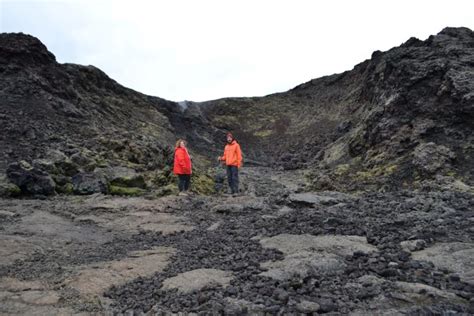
column 233, row 160
column 182, row 166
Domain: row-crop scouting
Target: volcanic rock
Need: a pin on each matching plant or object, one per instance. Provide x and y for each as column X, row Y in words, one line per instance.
column 308, row 255
column 89, row 183
column 451, row 256
column 30, row 180
column 198, row 279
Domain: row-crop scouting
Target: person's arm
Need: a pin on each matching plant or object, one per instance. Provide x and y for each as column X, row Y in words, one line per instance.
column 239, row 156
column 222, row 158
column 187, row 162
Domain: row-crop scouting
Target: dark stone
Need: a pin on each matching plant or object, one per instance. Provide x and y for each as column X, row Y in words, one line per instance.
column 89, row 183
column 67, row 167
column 390, row 272
column 326, row 305
column 333, row 221
column 281, row 295
column 30, row 180
column 454, row 277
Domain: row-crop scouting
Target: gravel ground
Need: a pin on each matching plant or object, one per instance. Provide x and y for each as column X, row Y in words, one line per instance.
column 228, row 233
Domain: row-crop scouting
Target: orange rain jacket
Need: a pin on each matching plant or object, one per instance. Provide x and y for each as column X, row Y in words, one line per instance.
column 232, row 154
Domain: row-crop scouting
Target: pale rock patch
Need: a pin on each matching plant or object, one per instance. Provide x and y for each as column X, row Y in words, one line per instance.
column 456, row 257
column 95, row 279
column 198, row 279
column 307, row 254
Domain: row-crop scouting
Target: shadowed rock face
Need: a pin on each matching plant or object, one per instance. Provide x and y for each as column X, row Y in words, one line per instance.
column 403, row 116
column 72, row 119
column 46, row 105
column 373, row 123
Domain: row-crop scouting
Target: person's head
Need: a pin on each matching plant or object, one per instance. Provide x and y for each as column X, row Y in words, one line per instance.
column 229, row 137
column 180, row 143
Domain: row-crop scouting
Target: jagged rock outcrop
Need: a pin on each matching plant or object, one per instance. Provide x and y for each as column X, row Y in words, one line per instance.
column 369, row 126
column 68, row 119
column 30, row 180
column 401, row 119
column 89, row 183
column 404, row 118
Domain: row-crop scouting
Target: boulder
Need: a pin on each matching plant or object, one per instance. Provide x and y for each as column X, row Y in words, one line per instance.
column 429, row 157
column 45, row 165
column 67, row 167
column 122, row 177
column 30, row 180
column 413, row 245
column 55, row 155
column 8, row 189
column 56, row 167
column 89, row 183
column 60, row 171
column 81, row 159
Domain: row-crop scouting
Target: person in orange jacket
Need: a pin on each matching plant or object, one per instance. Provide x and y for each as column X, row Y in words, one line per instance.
column 233, row 160
column 182, row 166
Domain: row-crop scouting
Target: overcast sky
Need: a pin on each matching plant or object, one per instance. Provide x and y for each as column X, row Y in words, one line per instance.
column 201, row 49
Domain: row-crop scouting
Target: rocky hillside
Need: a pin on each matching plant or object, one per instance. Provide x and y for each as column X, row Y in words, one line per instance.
column 292, row 244
column 403, row 118
column 66, row 120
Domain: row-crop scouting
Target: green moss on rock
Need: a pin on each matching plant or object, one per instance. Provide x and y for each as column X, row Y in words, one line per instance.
column 170, row 189
column 65, row 189
column 14, row 190
column 133, row 181
column 341, row 169
column 202, row 184
column 161, row 178
column 67, row 167
column 263, row 133
column 379, row 171
column 126, row 191
column 8, row 189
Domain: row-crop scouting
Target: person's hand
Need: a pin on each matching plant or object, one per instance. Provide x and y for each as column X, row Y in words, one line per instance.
column 218, row 158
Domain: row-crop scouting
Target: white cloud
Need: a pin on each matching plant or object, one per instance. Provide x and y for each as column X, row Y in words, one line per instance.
column 201, row 50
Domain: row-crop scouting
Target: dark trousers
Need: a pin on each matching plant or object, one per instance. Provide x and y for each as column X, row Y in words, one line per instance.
column 233, row 178
column 183, row 182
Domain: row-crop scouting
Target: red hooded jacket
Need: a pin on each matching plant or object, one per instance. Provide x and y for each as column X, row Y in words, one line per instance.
column 182, row 161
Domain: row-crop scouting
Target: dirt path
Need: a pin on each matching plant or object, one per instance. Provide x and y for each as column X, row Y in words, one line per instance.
column 276, row 249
